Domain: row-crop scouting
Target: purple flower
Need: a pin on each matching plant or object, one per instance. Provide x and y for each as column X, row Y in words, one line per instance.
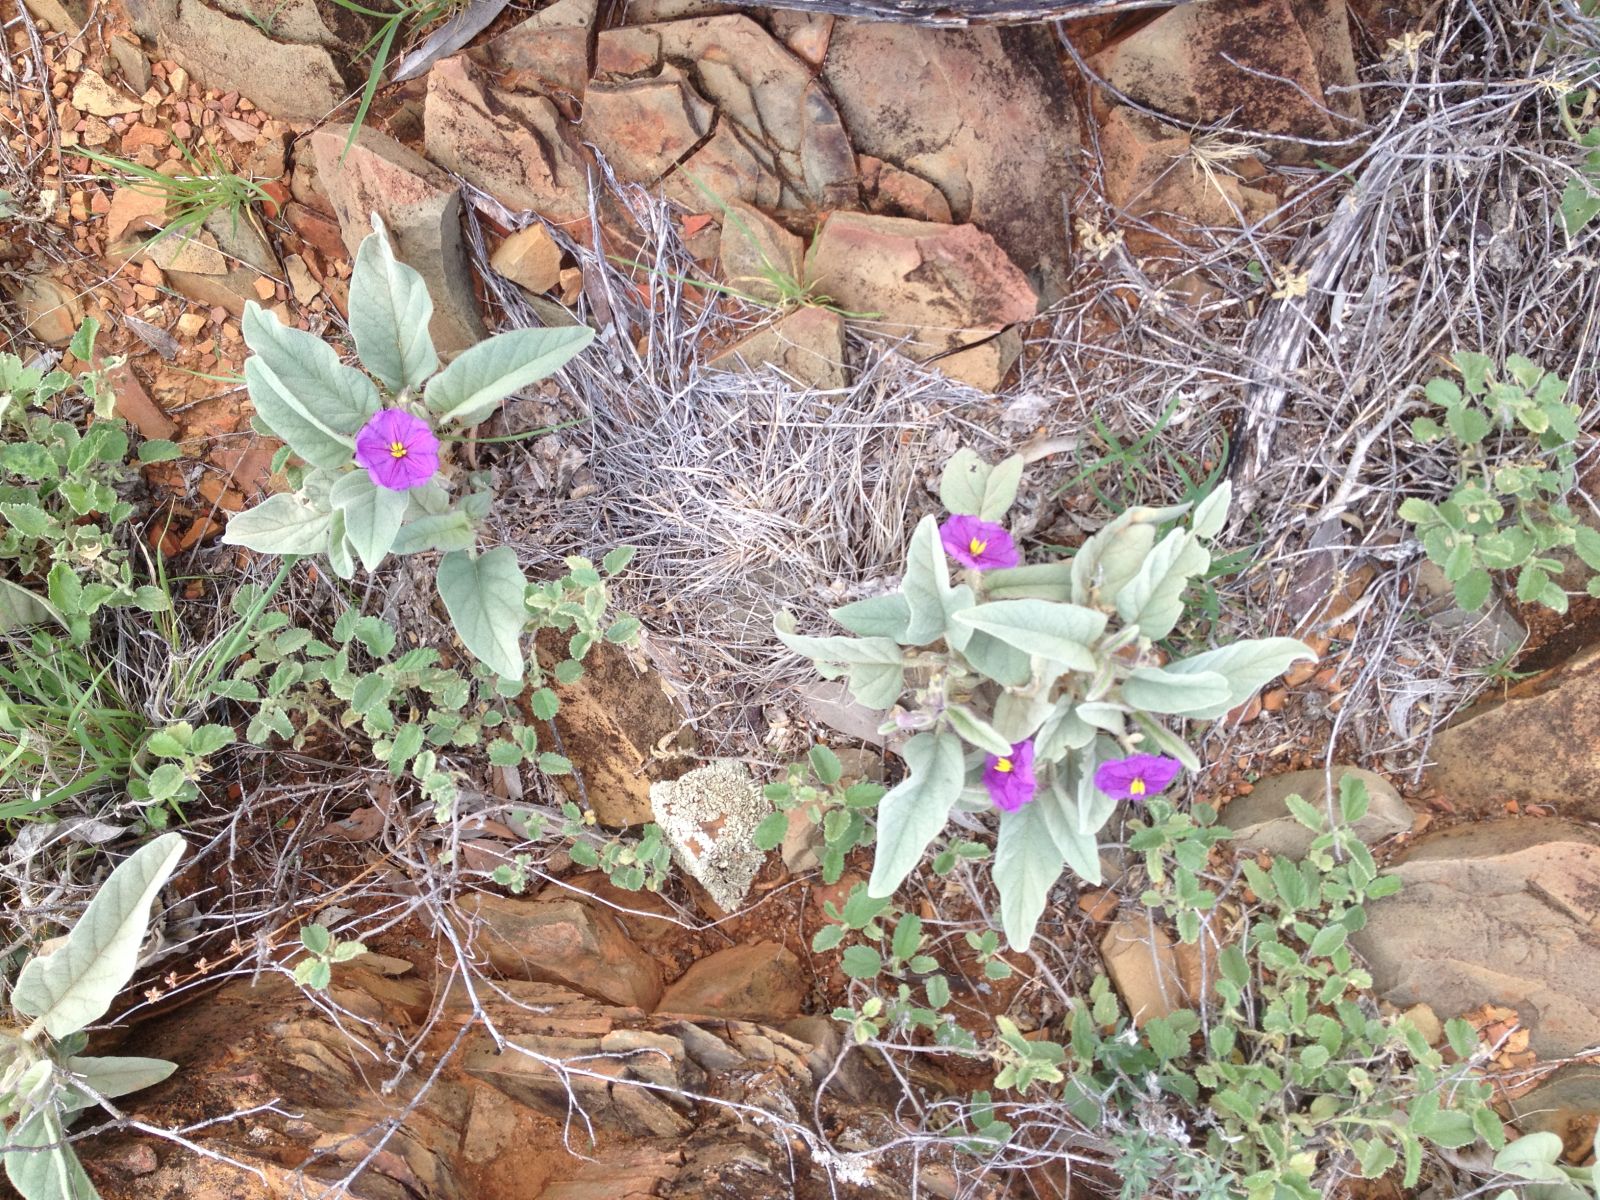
column 398, row 450
column 1137, row 777
column 1009, row 777
column 981, row 545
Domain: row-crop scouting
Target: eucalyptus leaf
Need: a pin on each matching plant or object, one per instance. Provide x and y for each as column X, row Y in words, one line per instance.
column 914, row 811
column 1027, row 863
column 372, row 515
column 74, row 985
column 478, row 381
column 389, row 314
column 484, row 597
column 303, row 392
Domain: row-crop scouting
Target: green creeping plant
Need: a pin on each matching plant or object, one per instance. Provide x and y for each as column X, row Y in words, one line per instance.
column 1516, row 438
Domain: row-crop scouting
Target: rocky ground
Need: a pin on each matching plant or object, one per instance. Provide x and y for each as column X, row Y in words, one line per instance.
column 781, row 219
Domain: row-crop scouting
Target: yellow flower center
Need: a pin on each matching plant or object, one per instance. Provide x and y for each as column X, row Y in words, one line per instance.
column 1003, row 765
column 976, row 547
column 397, row 449
column 1136, row 788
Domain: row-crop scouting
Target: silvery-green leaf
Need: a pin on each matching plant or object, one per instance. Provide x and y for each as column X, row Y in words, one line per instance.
column 436, row 531
column 431, row 499
column 19, row 607
column 1246, row 666
column 876, row 685
column 280, row 524
column 926, row 582
column 1104, row 716
column 1063, row 730
column 341, row 557
column 1211, row 514
column 45, row 1174
column 1004, row 664
column 303, row 392
column 914, row 811
column 1094, row 806
column 973, row 488
column 1041, row 628
column 880, row 616
column 879, row 650
column 1166, row 742
column 1039, row 581
column 1018, row 715
column 389, row 314
column 1059, row 809
column 1105, row 563
column 474, row 385
column 484, row 597
column 1027, row 863
column 1153, row 599
column 975, row 731
column 1152, row 689
column 75, row 983
column 372, row 515
column 118, row 1076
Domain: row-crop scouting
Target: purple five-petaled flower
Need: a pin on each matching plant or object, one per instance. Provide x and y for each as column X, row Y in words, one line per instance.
column 981, row 545
column 1137, row 777
column 1009, row 777
column 398, row 450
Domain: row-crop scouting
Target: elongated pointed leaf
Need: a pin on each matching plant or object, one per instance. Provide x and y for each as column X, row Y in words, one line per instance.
column 1152, row 689
column 926, row 583
column 441, row 531
column 280, row 524
column 1061, row 633
column 1153, row 598
column 372, row 515
column 880, row 616
column 75, row 984
column 303, row 392
column 1027, row 864
column 46, row 1174
column 484, row 597
column 118, row 1076
column 389, row 314
column 1245, row 665
column 473, row 386
column 913, row 812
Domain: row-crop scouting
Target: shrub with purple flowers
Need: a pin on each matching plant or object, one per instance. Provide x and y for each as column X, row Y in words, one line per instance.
column 369, row 457
column 1035, row 690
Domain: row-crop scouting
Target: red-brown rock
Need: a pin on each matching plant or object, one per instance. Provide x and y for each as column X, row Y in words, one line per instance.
column 760, row 982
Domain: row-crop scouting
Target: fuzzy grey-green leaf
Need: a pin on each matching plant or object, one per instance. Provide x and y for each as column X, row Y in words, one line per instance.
column 914, row 811
column 75, row 984
column 372, row 515
column 484, row 597
column 475, row 384
column 389, row 314
column 280, row 524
